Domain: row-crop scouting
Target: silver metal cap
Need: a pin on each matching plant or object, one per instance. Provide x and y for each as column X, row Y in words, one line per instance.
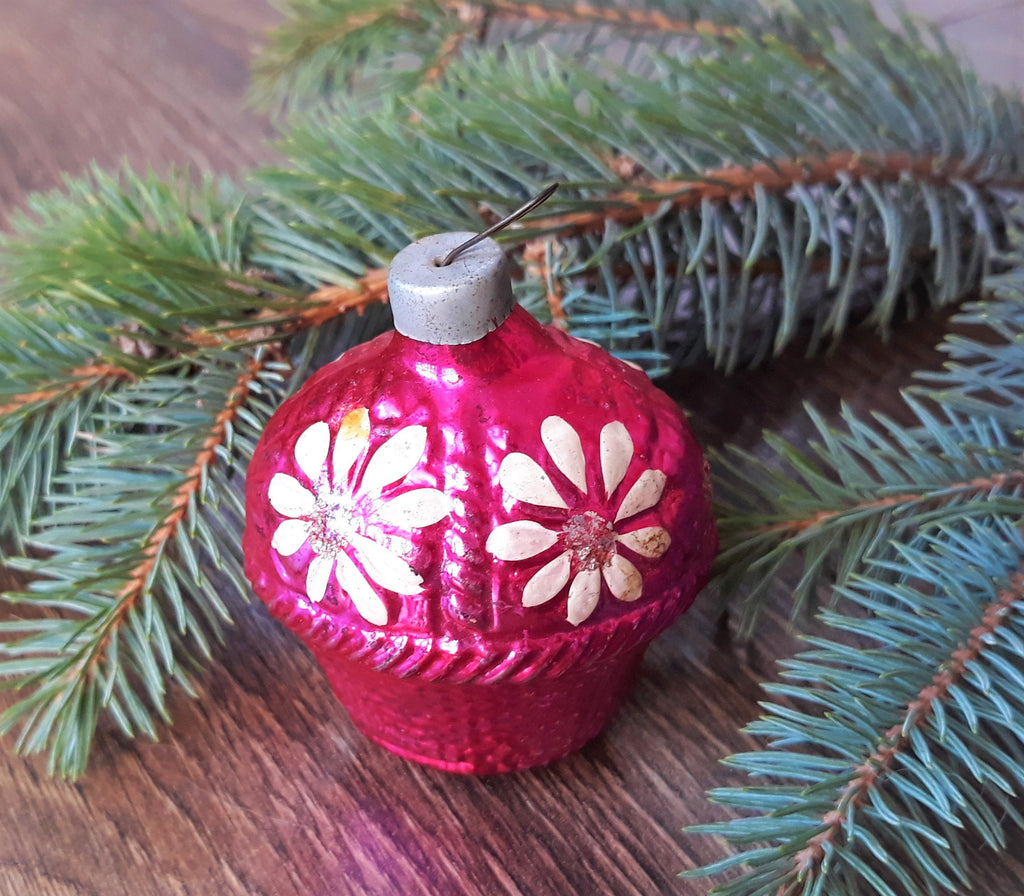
column 452, row 305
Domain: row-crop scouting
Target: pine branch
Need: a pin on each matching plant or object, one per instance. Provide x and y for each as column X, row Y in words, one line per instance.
column 856, row 490
column 150, row 268
column 821, row 236
column 910, row 743
column 982, row 374
column 399, row 45
column 649, row 198
column 104, row 282
column 78, row 380
column 185, row 493
column 128, row 554
column 867, row 485
column 51, row 378
column 906, row 738
column 329, row 302
column 897, row 745
column 44, row 417
column 779, row 176
column 581, row 12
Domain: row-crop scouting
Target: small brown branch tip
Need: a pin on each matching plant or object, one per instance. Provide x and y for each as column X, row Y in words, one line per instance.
column 445, row 56
column 334, row 300
column 79, row 379
column 535, row 255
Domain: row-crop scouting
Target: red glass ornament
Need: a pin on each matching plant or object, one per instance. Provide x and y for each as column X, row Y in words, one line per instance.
column 477, row 541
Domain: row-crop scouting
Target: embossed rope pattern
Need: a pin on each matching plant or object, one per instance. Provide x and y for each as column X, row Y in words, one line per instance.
column 405, row 655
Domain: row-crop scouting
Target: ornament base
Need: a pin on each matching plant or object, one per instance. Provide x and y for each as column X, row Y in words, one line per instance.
column 483, row 728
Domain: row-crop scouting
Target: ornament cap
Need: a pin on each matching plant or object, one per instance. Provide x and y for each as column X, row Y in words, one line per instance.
column 454, row 304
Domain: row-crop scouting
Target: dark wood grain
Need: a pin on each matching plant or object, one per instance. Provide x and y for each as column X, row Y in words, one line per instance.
column 263, row 786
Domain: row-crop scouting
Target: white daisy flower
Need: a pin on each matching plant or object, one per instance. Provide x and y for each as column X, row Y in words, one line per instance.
column 332, row 515
column 590, row 541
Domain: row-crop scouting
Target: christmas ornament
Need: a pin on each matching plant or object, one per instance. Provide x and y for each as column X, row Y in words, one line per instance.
column 475, row 522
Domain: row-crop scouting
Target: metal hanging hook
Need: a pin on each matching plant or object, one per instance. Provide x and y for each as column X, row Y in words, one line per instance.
column 541, row 197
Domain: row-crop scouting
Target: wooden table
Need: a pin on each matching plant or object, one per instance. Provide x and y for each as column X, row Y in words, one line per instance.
column 263, row 786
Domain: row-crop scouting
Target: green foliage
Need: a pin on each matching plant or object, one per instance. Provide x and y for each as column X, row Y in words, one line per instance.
column 717, row 244
column 138, row 552
column 884, row 761
column 734, row 178
column 112, row 290
column 41, row 414
column 137, row 257
column 902, row 739
column 865, row 489
column 869, row 486
column 128, row 274
column 983, row 376
column 352, row 51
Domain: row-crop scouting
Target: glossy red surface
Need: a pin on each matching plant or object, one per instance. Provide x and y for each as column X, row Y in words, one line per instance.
column 515, row 685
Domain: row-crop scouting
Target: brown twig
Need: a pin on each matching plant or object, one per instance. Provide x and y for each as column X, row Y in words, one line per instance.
column 138, row 580
column 535, row 255
column 582, row 12
column 334, row 300
column 737, row 182
column 81, row 378
column 476, row 19
column 444, row 58
column 978, row 485
column 917, row 713
column 326, row 303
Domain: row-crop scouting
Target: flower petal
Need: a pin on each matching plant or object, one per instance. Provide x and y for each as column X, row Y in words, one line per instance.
column 650, row 541
column 290, row 497
column 623, row 578
column 351, row 441
column 386, row 568
column 566, row 450
column 616, row 453
column 416, row 509
column 317, row 576
column 289, row 537
column 311, row 450
column 368, row 603
column 548, row 581
column 394, row 459
column 520, row 540
column 645, row 493
column 524, row 480
column 584, row 593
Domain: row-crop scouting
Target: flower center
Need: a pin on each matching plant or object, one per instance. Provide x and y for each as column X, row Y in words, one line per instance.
column 331, row 524
column 590, row 538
